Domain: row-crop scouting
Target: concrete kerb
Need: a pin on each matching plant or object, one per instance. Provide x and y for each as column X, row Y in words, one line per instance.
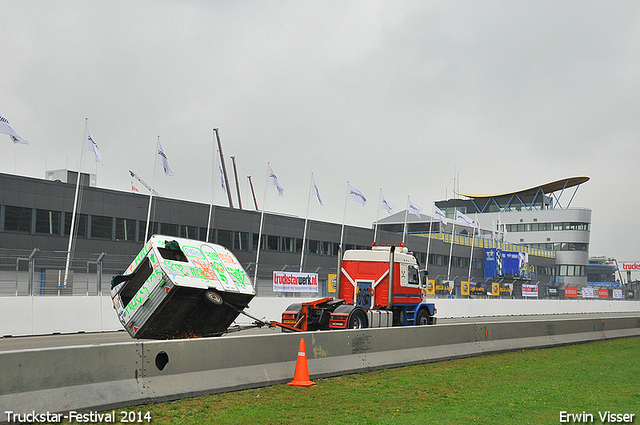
column 113, row 375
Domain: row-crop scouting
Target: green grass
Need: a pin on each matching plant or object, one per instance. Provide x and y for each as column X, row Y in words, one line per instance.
column 523, row 387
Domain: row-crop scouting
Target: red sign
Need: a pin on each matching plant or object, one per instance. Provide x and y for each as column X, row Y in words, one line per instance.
column 630, row 266
column 603, row 293
column 570, row 291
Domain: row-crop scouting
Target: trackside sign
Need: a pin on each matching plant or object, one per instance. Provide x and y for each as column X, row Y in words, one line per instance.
column 295, row 282
column 529, row 290
column 631, row 266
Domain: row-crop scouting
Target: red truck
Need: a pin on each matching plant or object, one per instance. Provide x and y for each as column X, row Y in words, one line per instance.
column 380, row 287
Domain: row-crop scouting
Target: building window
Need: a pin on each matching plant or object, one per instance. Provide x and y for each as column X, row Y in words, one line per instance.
column 169, row 229
column 101, row 227
column 48, row 222
column 125, row 229
column 153, row 228
column 241, row 241
column 17, row 219
column 203, row 234
column 188, row 232
column 81, row 225
column 570, row 270
column 273, row 243
column 288, row 244
column 225, row 238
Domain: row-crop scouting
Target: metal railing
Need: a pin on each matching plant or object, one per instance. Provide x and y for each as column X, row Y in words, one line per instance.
column 465, row 240
column 41, row 273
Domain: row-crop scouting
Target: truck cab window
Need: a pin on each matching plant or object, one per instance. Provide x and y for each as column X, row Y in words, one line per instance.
column 413, row 278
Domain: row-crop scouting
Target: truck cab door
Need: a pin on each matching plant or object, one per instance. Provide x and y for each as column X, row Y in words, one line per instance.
column 364, row 294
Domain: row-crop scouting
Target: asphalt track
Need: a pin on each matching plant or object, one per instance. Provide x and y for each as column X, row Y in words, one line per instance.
column 101, row 338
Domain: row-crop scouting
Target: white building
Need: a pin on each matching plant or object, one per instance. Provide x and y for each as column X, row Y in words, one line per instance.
column 541, row 217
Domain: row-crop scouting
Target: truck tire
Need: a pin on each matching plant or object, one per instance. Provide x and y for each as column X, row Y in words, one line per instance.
column 423, row 318
column 213, row 297
column 357, row 320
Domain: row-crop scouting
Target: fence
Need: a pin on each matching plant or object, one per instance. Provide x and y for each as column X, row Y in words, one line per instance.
column 42, row 273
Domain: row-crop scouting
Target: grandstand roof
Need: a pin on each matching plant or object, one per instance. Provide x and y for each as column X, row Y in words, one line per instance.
column 545, row 188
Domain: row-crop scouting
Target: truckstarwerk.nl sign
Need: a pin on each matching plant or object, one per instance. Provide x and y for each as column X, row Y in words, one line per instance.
column 295, row 282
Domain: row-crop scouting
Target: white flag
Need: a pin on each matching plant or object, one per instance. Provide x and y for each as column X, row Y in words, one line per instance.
column 439, row 215
column 387, row 205
column 223, row 183
column 275, row 181
column 6, row 128
column 356, row 195
column 93, row 146
column 316, row 191
column 414, row 209
column 164, row 161
column 463, row 219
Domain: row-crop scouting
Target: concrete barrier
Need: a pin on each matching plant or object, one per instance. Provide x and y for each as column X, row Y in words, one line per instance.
column 21, row 316
column 112, row 375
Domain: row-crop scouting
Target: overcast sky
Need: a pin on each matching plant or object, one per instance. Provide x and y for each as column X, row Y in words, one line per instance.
column 402, row 95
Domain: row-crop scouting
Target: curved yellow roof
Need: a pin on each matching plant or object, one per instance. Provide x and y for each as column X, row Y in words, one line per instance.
column 546, row 188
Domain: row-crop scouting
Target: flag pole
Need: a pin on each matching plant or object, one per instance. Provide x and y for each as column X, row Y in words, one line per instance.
column 473, row 243
column 75, row 206
column 155, row 166
column 426, row 267
column 375, row 232
column 213, row 178
column 306, row 219
column 453, row 229
column 264, row 202
column 344, row 215
column 404, row 228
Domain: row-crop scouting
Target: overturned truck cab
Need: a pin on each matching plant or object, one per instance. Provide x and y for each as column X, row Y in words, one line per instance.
column 181, row 288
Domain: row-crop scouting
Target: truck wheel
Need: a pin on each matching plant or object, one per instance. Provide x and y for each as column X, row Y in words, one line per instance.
column 213, row 297
column 357, row 320
column 423, row 318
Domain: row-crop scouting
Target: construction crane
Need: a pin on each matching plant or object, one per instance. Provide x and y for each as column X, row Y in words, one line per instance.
column 149, row 188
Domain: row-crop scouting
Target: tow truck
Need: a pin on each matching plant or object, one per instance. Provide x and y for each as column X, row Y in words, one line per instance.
column 379, row 287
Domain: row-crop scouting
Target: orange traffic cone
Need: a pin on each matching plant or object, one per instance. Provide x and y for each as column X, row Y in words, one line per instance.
column 301, row 376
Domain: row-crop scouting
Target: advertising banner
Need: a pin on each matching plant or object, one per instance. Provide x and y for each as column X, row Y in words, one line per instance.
column 495, row 289
column 603, row 293
column 332, row 282
column 570, row 291
column 506, row 289
column 479, row 288
column 515, row 263
column 631, row 266
column 500, row 263
column 491, row 263
column 295, row 282
column 587, row 292
column 529, row 290
column 431, row 287
column 605, row 284
column 464, row 288
column 617, row 294
column 444, row 286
